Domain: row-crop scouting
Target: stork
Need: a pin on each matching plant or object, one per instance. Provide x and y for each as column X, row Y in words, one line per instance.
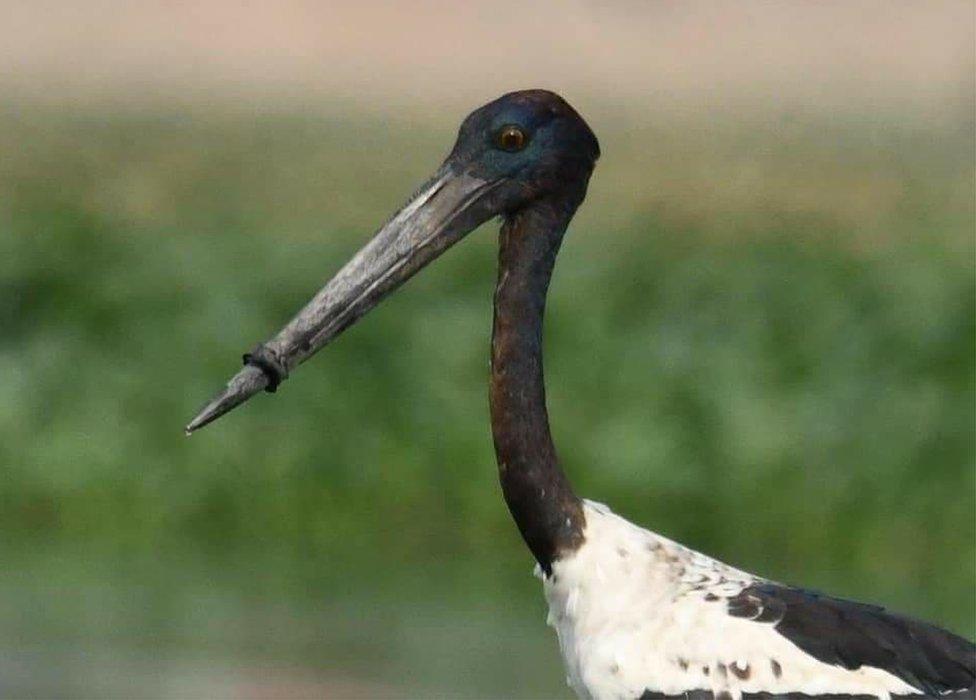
column 637, row 615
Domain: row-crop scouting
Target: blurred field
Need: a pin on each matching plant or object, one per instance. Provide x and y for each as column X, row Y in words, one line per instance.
column 760, row 342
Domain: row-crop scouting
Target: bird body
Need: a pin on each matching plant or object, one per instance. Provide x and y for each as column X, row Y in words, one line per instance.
column 637, row 615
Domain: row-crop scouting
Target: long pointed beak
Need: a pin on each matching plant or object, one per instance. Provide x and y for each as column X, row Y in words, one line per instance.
column 449, row 206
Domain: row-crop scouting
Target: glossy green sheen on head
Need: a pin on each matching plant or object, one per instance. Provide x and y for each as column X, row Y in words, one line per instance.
column 558, row 145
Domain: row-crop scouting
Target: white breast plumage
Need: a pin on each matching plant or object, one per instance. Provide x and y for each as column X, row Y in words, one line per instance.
column 637, row 613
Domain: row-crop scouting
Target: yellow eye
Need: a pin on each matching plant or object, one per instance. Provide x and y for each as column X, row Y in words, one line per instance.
column 511, row 138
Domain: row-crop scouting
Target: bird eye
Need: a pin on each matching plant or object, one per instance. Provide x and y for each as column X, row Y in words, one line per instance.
column 511, row 138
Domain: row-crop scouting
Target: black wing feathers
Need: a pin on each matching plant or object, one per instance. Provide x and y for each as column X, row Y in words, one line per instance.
column 852, row 635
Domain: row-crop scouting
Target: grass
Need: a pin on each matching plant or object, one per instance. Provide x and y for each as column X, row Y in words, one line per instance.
column 760, row 342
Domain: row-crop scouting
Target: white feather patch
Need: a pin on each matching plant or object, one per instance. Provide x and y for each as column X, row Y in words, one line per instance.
column 635, row 611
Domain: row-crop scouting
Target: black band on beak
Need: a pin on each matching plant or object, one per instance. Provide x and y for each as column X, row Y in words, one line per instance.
column 266, row 360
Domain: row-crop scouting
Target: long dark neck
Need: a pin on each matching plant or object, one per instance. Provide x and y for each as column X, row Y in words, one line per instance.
column 538, row 494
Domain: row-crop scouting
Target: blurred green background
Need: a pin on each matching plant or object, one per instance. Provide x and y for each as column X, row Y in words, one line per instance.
column 760, row 342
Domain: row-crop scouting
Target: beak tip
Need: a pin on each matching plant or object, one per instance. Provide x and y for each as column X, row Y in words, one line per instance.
column 246, row 383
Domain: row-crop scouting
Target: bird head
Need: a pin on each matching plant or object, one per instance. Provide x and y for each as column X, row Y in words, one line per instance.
column 533, row 140
column 523, row 147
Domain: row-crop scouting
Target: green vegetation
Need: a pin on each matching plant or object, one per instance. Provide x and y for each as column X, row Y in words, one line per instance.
column 760, row 342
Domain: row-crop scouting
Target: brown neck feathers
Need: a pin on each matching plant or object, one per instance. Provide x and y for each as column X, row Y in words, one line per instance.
column 539, row 496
